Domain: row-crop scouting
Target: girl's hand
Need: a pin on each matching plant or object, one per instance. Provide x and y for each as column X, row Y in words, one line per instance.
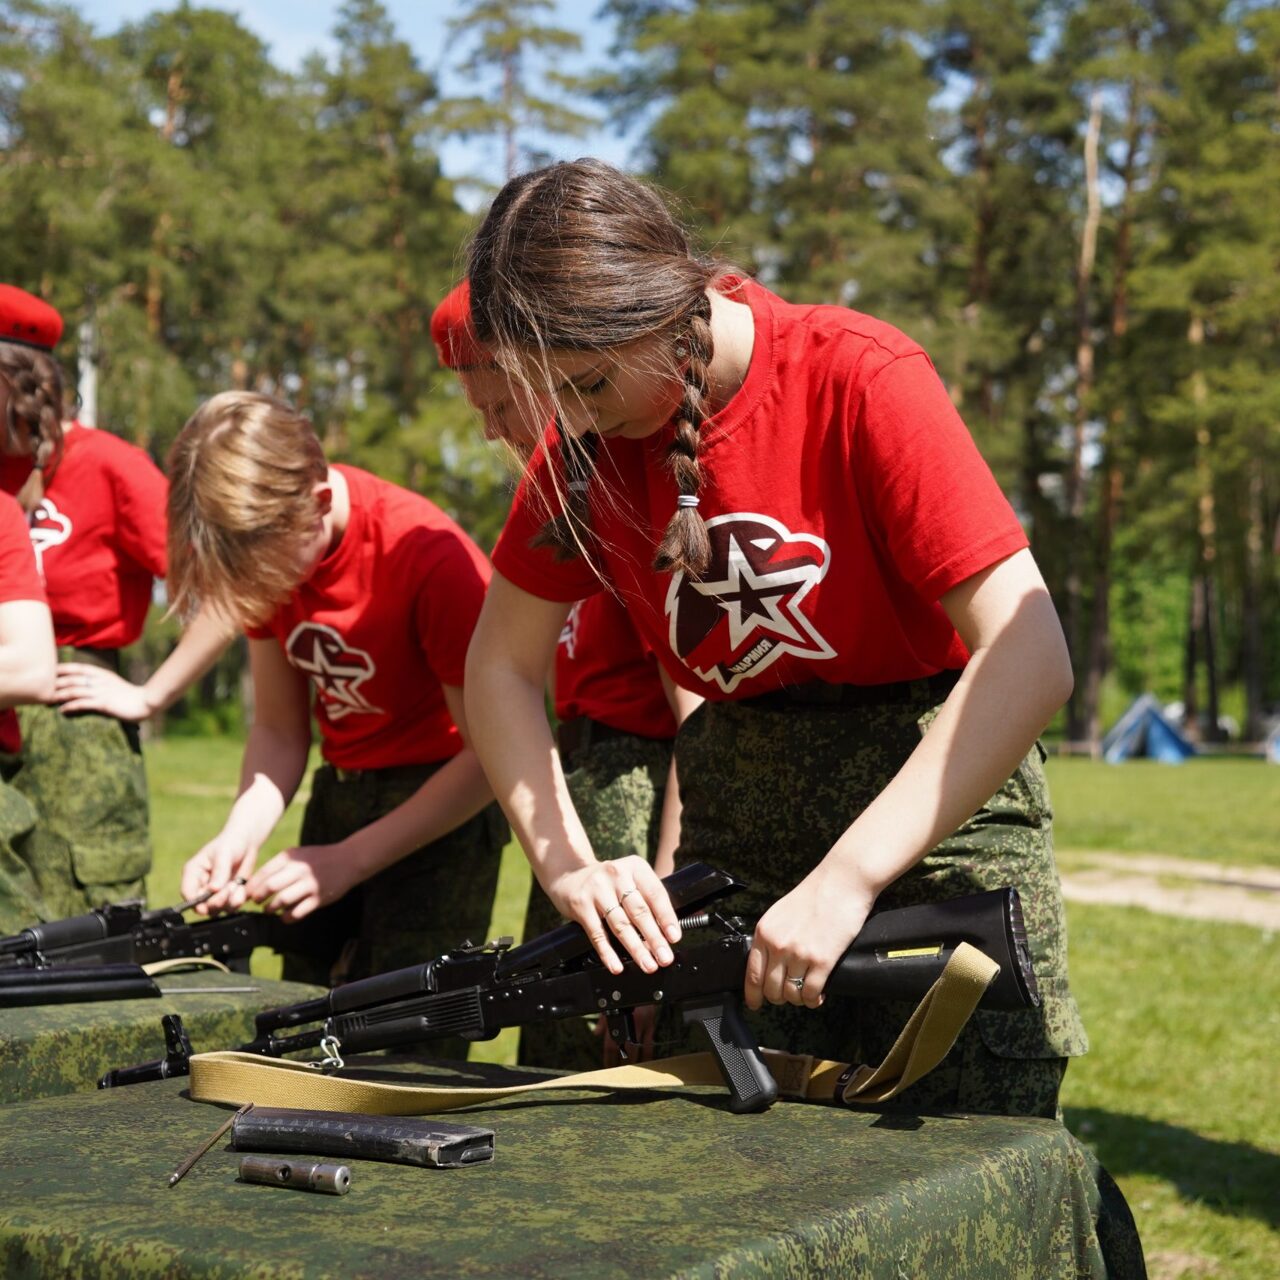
column 622, row 901
column 298, row 881
column 223, row 865
column 81, row 686
column 799, row 939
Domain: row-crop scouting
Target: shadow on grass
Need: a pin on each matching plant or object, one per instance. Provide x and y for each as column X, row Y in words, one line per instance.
column 1229, row 1177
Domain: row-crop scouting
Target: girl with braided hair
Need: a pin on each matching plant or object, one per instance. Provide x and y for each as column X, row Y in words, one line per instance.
column 800, row 525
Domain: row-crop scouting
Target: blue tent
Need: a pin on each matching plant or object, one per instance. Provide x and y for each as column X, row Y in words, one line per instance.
column 1144, row 730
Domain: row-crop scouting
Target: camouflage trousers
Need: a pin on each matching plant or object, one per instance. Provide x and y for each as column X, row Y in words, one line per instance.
column 20, row 903
column 766, row 792
column 617, row 788
column 84, row 777
column 432, row 900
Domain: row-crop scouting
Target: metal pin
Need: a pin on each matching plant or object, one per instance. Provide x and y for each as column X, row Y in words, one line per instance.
column 185, row 1167
column 205, row 896
column 301, row 1175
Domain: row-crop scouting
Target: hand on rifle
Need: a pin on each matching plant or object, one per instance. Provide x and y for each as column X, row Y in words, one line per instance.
column 619, row 901
column 801, row 937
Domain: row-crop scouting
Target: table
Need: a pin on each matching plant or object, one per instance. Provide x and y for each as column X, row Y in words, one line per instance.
column 643, row 1184
column 63, row 1048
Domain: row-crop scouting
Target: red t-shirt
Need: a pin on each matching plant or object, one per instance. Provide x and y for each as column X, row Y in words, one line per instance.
column 843, row 496
column 18, row 581
column 382, row 622
column 99, row 536
column 606, row 672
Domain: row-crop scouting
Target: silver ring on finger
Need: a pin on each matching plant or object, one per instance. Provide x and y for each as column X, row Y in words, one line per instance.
column 622, row 897
column 798, row 983
column 617, row 906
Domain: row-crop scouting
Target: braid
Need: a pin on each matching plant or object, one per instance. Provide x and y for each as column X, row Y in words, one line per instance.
column 35, row 400
column 567, row 532
column 685, row 544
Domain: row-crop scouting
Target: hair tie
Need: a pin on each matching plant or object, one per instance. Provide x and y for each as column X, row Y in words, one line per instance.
column 579, row 486
column 686, row 500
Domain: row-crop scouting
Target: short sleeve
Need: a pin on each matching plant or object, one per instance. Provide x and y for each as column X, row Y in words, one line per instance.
column 939, row 513
column 536, row 569
column 142, row 499
column 19, row 577
column 455, row 576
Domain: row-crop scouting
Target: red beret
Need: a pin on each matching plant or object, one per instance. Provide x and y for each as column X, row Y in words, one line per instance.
column 27, row 319
column 453, row 333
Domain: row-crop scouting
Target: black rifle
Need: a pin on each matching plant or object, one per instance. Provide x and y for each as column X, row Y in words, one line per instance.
column 475, row 992
column 99, row 955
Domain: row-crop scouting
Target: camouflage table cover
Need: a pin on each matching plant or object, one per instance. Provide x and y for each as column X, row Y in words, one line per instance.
column 63, row 1048
column 646, row 1184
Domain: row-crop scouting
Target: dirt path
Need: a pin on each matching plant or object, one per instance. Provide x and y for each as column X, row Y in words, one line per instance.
column 1173, row 886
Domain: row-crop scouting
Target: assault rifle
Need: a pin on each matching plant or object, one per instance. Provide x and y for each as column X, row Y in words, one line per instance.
column 99, row 955
column 476, row 991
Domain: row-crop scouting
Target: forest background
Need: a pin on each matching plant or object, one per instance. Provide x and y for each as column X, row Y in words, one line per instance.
column 1071, row 205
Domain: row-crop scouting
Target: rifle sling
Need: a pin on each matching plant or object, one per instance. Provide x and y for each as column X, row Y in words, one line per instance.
column 237, row 1078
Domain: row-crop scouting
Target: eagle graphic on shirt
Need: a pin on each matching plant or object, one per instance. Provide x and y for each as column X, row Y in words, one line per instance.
column 746, row 611
column 49, row 528
column 336, row 669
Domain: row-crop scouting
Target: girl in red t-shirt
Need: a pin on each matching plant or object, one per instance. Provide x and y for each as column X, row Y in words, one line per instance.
column 802, row 529
column 95, row 507
column 359, row 598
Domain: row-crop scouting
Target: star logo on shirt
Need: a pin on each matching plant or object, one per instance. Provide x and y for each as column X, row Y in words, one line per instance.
column 746, row 612
column 336, row 669
column 49, row 528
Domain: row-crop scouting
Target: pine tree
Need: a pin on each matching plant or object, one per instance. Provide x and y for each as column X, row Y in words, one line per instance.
column 506, row 37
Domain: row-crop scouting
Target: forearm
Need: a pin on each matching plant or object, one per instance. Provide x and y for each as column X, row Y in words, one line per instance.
column 202, row 643
column 22, row 680
column 1002, row 702
column 455, row 793
column 270, row 773
column 508, row 724
column 664, row 859
column 683, row 704
column 27, row 655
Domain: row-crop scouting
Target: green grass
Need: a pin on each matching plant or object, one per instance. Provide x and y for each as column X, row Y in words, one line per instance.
column 1179, row 1093
column 1221, row 809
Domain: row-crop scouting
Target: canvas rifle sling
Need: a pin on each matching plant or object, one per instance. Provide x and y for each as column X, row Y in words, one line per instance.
column 930, row 1032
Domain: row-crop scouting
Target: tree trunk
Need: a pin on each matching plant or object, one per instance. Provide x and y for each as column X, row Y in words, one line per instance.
column 1108, row 515
column 1206, row 536
column 1084, row 399
column 1251, row 605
